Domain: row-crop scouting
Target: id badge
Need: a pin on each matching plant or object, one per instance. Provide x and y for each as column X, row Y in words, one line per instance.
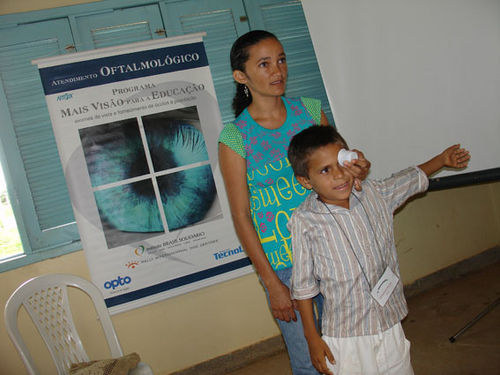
column 384, row 287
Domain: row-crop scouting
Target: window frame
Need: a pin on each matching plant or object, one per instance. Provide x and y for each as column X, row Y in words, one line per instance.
column 10, row 156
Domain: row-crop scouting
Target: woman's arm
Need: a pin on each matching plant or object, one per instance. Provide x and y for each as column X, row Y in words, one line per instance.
column 233, row 168
column 324, row 119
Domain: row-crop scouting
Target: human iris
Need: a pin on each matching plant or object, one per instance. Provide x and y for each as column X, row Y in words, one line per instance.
column 115, row 152
column 186, row 195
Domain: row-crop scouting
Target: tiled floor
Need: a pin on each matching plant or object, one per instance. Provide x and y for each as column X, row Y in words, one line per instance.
column 435, row 316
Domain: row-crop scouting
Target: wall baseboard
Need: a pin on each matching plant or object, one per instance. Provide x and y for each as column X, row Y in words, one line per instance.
column 274, row 345
column 454, row 271
column 237, row 359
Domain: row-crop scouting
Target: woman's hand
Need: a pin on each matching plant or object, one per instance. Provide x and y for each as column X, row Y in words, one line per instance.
column 359, row 168
column 282, row 306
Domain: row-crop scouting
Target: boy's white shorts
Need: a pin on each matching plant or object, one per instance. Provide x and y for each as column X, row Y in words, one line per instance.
column 386, row 353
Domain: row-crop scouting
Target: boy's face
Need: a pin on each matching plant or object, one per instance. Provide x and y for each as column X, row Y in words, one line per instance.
column 327, row 178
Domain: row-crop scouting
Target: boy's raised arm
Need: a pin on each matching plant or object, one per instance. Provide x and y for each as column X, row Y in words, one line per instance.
column 452, row 157
column 318, row 349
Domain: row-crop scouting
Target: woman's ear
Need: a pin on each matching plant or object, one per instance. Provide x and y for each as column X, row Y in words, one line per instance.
column 240, row 77
column 304, row 181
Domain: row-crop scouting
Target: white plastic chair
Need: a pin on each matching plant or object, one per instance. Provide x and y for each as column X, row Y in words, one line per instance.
column 46, row 300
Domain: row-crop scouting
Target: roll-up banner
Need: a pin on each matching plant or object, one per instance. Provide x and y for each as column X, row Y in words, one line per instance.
column 136, row 128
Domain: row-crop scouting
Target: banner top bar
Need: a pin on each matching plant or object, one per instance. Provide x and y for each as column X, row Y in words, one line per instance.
column 115, row 50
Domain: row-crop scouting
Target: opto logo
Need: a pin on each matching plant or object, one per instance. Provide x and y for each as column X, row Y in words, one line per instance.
column 120, row 281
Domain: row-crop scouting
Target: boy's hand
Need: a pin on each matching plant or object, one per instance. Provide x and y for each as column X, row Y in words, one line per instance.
column 319, row 352
column 452, row 157
column 359, row 168
column 455, row 157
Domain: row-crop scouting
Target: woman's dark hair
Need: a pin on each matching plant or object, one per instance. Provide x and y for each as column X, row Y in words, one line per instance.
column 303, row 144
column 239, row 56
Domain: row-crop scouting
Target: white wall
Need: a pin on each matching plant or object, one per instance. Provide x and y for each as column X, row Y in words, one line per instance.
column 406, row 78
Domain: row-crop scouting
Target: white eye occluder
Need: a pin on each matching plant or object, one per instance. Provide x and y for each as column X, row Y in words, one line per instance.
column 346, row 155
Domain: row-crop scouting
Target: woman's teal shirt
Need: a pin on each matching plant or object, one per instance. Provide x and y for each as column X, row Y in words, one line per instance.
column 274, row 191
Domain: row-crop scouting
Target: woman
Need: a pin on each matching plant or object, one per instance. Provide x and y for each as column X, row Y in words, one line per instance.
column 261, row 189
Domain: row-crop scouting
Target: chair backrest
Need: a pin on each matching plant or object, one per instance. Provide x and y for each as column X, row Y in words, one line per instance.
column 46, row 300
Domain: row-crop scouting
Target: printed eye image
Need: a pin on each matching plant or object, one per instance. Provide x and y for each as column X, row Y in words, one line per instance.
column 129, row 208
column 187, row 196
column 175, row 140
column 174, row 144
column 113, row 152
column 132, row 211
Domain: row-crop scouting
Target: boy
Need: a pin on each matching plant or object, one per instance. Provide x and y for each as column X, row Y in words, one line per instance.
column 343, row 246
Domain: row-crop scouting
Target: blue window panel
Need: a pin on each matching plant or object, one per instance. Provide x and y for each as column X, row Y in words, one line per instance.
column 286, row 20
column 118, row 26
column 37, row 186
column 223, row 21
column 35, row 178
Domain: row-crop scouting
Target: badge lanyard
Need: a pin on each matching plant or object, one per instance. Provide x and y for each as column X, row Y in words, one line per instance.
column 350, row 243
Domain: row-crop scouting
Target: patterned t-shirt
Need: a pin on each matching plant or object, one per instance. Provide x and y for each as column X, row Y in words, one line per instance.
column 274, row 191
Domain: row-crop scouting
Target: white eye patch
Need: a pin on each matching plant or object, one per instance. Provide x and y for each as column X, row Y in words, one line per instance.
column 346, row 155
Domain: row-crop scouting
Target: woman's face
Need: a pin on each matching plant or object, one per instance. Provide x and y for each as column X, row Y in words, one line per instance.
column 265, row 70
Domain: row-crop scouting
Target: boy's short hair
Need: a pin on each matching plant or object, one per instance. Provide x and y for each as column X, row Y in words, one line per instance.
column 303, row 144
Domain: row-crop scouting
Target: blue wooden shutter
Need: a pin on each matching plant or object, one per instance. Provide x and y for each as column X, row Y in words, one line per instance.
column 27, row 138
column 223, row 21
column 286, row 20
column 38, row 185
column 118, row 26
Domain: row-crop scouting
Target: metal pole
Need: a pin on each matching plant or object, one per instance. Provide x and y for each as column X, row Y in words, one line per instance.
column 474, row 321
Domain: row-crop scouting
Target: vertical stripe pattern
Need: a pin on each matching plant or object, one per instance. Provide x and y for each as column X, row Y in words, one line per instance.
column 343, row 252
